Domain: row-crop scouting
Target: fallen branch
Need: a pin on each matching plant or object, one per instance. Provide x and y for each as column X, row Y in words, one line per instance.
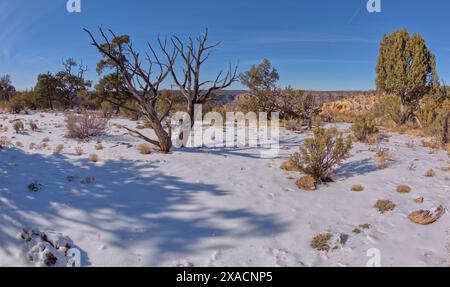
column 147, row 139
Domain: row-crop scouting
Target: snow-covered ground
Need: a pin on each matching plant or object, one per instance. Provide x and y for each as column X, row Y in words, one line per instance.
column 214, row 207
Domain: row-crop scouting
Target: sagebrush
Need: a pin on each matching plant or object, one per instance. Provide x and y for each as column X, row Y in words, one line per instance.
column 86, row 125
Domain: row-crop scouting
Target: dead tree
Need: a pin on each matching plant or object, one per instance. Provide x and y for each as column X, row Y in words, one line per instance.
column 194, row 54
column 141, row 82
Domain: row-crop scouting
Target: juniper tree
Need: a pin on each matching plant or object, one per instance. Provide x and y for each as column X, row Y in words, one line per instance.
column 262, row 80
column 46, row 90
column 7, row 90
column 407, row 69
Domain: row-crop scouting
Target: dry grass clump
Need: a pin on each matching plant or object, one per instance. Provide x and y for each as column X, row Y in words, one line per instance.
column 383, row 159
column 145, row 149
column 94, row 158
column 290, row 165
column 99, row 146
column 32, row 146
column 46, row 140
column 79, row 151
column 33, row 126
column 384, row 206
column 430, row 173
column 86, row 125
column 293, row 125
column 432, row 144
column 361, row 227
column 308, row 183
column 358, row 188
column 403, row 189
column 19, row 144
column 419, row 200
column 18, row 127
column 59, row 148
column 4, row 142
column 320, row 242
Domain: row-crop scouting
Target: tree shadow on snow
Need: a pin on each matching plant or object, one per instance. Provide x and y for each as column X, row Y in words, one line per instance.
column 129, row 204
column 355, row 168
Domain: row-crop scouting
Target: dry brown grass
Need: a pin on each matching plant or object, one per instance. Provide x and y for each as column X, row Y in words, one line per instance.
column 18, row 127
column 290, row 166
column 403, row 189
column 94, row 158
column 419, row 200
column 292, row 125
column 320, row 242
column 86, row 125
column 46, row 140
column 4, row 142
column 430, row 173
column 99, row 146
column 145, row 149
column 358, row 188
column 307, row 183
column 361, row 227
column 19, row 144
column 79, row 151
column 59, row 148
column 383, row 159
column 384, row 206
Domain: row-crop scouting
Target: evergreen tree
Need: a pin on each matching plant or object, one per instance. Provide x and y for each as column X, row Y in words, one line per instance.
column 407, row 69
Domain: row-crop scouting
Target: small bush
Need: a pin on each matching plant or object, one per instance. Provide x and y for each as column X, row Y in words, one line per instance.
column 384, row 206
column 18, row 127
column 403, row 189
column 358, row 188
column 321, row 153
column 33, row 126
column 363, row 128
column 19, row 144
column 86, row 125
column 307, row 183
column 94, row 158
column 145, row 149
column 46, row 140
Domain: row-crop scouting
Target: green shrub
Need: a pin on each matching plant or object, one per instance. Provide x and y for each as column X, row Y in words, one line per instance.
column 433, row 116
column 364, row 127
column 321, row 153
column 389, row 108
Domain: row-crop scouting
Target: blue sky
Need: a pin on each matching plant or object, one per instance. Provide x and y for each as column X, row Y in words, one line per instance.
column 320, row 44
